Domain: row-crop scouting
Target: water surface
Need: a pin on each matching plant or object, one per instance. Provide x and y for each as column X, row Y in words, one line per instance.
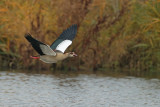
column 35, row 90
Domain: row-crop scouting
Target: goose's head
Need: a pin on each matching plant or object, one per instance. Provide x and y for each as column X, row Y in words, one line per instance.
column 72, row 54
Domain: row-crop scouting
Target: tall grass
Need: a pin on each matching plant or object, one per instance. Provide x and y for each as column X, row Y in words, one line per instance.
column 114, row 34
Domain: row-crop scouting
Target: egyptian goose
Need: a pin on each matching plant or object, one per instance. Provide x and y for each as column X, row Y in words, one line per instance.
column 55, row 52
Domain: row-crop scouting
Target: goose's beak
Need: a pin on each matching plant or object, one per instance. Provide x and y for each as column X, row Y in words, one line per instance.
column 75, row 55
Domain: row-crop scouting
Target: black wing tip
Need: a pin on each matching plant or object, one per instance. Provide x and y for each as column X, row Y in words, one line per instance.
column 74, row 25
column 27, row 35
column 69, row 33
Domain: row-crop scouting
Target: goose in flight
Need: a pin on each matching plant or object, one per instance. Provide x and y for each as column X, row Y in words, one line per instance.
column 55, row 52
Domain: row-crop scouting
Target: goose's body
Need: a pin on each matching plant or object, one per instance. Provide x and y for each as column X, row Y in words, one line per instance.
column 53, row 59
column 55, row 52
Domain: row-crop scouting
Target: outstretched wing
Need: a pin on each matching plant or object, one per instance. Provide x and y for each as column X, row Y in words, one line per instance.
column 65, row 39
column 40, row 47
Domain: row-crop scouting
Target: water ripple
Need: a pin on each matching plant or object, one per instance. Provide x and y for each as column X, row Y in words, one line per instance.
column 22, row 90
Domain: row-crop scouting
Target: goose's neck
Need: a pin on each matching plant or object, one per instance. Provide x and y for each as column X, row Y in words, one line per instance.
column 67, row 55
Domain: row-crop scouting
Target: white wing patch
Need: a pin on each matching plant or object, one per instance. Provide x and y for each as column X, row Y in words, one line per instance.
column 47, row 50
column 64, row 45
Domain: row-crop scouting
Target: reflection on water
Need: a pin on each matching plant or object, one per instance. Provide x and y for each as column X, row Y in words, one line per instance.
column 22, row 90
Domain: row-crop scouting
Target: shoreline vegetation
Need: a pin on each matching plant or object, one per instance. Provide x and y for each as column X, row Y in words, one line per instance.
column 106, row 73
column 113, row 35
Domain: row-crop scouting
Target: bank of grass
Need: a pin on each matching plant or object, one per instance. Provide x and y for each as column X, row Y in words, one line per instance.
column 100, row 73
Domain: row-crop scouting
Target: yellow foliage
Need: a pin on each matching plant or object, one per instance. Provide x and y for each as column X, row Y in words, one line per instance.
column 106, row 28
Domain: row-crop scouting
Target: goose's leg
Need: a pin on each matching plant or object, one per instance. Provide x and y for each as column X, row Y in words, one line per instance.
column 34, row 57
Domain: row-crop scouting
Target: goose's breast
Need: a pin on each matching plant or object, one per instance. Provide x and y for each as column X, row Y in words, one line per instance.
column 61, row 56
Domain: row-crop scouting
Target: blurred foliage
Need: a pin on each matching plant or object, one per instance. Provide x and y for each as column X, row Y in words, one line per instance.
column 114, row 34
